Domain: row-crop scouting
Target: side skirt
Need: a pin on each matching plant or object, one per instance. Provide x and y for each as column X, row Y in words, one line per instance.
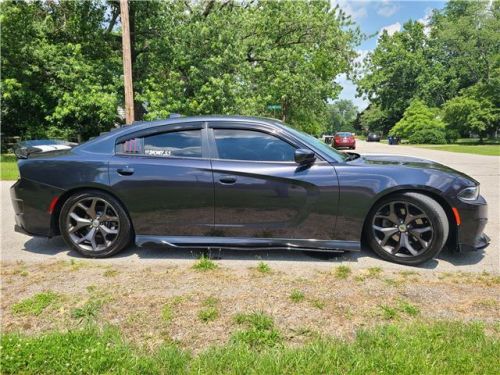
column 241, row 243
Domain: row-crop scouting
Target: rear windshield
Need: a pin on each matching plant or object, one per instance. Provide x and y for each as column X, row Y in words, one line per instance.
column 344, row 134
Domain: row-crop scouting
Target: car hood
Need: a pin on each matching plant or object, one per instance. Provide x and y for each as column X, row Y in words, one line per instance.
column 408, row 161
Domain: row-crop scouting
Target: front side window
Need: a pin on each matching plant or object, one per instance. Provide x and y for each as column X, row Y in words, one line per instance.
column 237, row 144
column 177, row 144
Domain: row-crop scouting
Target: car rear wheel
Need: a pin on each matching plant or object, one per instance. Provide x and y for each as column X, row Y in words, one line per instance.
column 95, row 224
column 408, row 228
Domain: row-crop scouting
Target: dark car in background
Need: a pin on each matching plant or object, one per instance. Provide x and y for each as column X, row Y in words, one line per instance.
column 373, row 137
column 241, row 182
column 344, row 140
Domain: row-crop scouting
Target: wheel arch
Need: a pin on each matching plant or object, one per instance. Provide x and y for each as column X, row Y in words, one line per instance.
column 54, row 220
column 451, row 242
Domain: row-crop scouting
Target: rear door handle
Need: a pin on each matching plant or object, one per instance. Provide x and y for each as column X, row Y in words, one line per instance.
column 125, row 171
column 228, row 180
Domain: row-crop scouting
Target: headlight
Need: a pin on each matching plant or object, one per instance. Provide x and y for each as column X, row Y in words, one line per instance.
column 469, row 194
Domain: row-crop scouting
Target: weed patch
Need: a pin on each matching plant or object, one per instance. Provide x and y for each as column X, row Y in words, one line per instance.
column 342, row 272
column 205, row 264
column 297, row 296
column 36, row 304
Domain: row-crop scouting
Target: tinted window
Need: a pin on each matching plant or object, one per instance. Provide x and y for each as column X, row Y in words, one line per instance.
column 344, row 134
column 182, row 143
column 251, row 145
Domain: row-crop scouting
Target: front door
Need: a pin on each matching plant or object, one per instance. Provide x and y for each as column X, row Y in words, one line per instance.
column 165, row 181
column 261, row 192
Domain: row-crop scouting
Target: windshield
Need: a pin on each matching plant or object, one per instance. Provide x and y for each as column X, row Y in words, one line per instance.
column 316, row 143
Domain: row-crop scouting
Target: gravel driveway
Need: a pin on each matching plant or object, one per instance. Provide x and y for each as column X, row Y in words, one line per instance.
column 486, row 169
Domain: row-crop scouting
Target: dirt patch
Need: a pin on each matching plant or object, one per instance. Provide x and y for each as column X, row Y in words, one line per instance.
column 153, row 305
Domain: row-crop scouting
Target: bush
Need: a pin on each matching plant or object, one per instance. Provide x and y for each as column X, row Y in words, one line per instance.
column 452, row 135
column 428, row 136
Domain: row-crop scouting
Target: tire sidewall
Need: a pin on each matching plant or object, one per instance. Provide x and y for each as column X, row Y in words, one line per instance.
column 440, row 234
column 125, row 233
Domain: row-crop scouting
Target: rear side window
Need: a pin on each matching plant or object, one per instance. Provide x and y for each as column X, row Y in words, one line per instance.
column 236, row 144
column 177, row 144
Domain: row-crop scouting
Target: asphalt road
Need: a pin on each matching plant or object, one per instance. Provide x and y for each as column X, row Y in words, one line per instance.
column 486, row 169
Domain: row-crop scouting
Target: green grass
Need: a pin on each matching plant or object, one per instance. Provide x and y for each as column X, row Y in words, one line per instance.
column 89, row 311
column 342, row 272
column 297, row 296
column 259, row 331
column 205, row 264
column 440, row 348
column 210, row 311
column 36, row 304
column 491, row 150
column 263, row 267
column 8, row 167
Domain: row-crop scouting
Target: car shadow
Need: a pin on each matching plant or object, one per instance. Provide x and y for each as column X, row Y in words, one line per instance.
column 56, row 245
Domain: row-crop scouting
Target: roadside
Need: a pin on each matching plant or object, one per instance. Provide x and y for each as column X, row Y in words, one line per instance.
column 196, row 306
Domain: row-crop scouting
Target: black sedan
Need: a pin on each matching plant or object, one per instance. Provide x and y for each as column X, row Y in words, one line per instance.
column 373, row 137
column 246, row 183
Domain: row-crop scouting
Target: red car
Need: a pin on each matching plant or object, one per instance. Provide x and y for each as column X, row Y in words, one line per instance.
column 344, row 139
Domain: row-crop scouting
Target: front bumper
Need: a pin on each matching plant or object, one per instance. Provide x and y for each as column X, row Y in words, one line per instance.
column 474, row 217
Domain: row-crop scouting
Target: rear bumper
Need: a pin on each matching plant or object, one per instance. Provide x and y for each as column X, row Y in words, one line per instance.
column 474, row 217
column 31, row 202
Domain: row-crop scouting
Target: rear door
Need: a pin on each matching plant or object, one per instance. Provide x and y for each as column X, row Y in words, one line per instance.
column 164, row 178
column 261, row 192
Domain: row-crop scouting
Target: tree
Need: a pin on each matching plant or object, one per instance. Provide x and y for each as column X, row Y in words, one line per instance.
column 471, row 114
column 374, row 119
column 392, row 70
column 61, row 63
column 418, row 117
column 240, row 57
column 58, row 69
column 456, row 51
column 342, row 116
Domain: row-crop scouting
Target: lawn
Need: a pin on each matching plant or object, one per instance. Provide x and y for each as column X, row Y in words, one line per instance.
column 8, row 167
column 417, row 348
column 486, row 149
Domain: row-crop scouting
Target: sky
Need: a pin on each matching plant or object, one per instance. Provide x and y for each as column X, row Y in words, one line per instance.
column 374, row 16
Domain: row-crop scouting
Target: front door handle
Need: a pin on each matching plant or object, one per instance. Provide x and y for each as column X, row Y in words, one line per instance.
column 228, row 180
column 125, row 171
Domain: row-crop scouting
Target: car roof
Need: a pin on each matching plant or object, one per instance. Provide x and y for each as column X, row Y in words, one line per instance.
column 98, row 144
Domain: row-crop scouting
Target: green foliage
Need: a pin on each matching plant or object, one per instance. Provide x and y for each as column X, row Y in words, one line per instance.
column 373, row 118
column 439, row 348
column 417, row 118
column 260, row 331
column 342, row 116
column 59, row 69
column 89, row 311
column 455, row 63
column 62, row 74
column 297, row 296
column 210, row 310
column 428, row 136
column 342, row 272
column 263, row 267
column 36, row 304
column 8, row 167
column 469, row 112
column 205, row 264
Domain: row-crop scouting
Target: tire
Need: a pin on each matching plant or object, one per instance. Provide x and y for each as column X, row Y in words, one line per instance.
column 411, row 241
column 82, row 226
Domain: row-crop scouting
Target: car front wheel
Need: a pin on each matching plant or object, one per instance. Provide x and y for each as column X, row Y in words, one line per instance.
column 408, row 228
column 95, row 224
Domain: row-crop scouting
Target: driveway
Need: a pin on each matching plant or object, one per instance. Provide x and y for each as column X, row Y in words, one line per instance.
column 486, row 169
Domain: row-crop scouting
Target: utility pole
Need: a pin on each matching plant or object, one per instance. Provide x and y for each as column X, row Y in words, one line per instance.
column 127, row 63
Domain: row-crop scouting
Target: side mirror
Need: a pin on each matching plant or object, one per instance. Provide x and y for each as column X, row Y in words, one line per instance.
column 304, row 157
